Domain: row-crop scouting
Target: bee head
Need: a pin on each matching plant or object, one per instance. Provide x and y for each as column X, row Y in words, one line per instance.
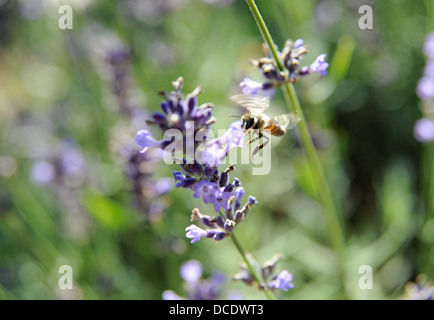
column 248, row 121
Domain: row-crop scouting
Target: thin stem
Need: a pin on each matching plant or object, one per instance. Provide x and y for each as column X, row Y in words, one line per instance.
column 252, row 269
column 331, row 217
column 265, row 33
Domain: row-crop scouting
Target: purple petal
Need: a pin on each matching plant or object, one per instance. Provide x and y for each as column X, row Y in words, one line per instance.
column 145, row 140
column 195, row 233
column 178, row 175
column 239, row 193
column 186, row 183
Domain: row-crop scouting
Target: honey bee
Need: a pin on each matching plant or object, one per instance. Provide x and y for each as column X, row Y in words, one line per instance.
column 255, row 118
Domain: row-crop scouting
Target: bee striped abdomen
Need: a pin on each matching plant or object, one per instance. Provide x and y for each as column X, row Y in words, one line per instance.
column 275, row 129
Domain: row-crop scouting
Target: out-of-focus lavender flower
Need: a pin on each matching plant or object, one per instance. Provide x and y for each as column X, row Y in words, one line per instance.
column 170, row 295
column 149, row 11
column 148, row 192
column 218, row 3
column 63, row 169
column 111, row 58
column 424, row 128
column 65, row 165
column 428, row 48
column 421, row 289
column 250, row 86
column 42, row 172
column 291, row 57
column 281, row 281
column 425, row 88
column 197, row 288
column 191, row 271
column 121, row 83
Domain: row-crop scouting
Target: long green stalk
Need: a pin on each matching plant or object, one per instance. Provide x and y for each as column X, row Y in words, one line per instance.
column 252, row 269
column 334, row 228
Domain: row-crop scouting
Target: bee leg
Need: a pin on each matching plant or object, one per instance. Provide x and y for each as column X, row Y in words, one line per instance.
column 257, row 138
column 261, row 146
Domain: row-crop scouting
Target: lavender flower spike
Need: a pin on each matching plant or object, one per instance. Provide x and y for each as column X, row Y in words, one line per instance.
column 282, row 281
column 195, row 233
column 145, row 140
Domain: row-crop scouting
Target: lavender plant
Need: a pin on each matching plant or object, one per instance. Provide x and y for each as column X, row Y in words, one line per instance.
column 284, row 73
column 424, row 128
column 424, row 133
column 200, row 164
column 146, row 190
column 202, row 174
column 282, row 280
column 63, row 169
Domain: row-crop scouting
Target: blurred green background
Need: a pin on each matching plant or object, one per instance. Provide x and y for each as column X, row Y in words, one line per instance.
column 57, row 85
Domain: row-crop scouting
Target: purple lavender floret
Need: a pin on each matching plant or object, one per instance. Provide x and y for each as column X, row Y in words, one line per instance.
column 282, row 281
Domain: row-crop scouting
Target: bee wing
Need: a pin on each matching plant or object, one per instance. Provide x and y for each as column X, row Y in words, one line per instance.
column 287, row 121
column 252, row 102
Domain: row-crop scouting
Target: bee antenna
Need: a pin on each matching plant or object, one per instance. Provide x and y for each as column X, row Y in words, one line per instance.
column 233, row 115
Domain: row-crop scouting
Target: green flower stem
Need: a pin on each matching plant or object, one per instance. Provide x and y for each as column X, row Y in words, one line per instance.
column 425, row 263
column 334, row 228
column 253, row 271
